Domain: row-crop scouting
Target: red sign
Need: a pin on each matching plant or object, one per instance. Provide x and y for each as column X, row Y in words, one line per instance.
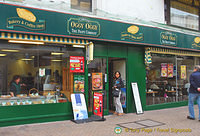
column 76, row 64
column 98, row 104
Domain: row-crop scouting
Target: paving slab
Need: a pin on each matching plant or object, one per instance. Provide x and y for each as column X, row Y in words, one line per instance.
column 164, row 122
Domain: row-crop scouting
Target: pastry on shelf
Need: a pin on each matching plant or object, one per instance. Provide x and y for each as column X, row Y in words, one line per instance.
column 5, row 96
column 8, row 103
column 22, row 95
column 35, row 102
column 36, row 95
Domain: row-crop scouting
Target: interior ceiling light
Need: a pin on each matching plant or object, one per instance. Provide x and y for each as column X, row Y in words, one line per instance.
column 57, row 53
column 26, row 59
column 56, row 60
column 2, row 55
column 78, row 46
column 9, row 50
column 26, row 42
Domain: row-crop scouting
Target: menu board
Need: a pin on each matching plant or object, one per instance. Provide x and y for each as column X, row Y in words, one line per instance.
column 170, row 70
column 77, row 64
column 79, row 83
column 163, row 69
column 79, row 106
column 98, row 104
column 97, row 81
column 137, row 100
column 183, row 71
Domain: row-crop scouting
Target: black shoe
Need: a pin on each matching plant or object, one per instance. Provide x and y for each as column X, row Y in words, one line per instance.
column 188, row 117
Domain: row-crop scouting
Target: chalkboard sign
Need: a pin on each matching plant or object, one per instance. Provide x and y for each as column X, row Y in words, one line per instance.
column 136, row 96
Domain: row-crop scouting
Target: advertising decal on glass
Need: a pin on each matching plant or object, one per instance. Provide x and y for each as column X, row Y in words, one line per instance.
column 183, row 71
column 97, row 81
column 98, row 104
column 163, row 69
column 170, row 70
column 76, row 64
column 79, row 83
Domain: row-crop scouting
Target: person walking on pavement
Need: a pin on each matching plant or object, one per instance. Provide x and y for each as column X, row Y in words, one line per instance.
column 194, row 92
column 118, row 84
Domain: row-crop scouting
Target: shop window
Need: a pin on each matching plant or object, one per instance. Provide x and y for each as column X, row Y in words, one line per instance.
column 39, row 74
column 168, row 78
column 183, row 13
column 85, row 5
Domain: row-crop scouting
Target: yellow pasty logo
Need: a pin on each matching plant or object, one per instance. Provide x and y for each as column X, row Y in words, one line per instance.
column 26, row 19
column 132, row 34
column 196, row 42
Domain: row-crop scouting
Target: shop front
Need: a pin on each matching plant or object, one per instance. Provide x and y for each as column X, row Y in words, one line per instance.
column 168, row 75
column 56, row 54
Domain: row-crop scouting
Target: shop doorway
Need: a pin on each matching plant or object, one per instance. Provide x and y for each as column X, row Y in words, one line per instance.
column 117, row 64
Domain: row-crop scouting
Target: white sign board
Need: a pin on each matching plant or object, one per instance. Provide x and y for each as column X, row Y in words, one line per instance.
column 79, row 106
column 136, row 96
column 41, row 72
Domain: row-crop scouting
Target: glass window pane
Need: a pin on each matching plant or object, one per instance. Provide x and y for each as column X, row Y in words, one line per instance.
column 38, row 74
column 81, row 4
column 184, row 15
column 166, row 76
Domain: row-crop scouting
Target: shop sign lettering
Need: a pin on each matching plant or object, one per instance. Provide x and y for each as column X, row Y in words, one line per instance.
column 132, row 34
column 26, row 19
column 196, row 43
column 82, row 26
column 168, row 38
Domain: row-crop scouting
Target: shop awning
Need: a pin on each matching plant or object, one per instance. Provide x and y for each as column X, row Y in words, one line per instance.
column 172, row 52
column 49, row 39
column 150, row 50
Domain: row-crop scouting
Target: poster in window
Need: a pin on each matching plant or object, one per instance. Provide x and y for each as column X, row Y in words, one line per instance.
column 79, row 83
column 170, row 70
column 183, row 71
column 163, row 69
column 97, row 81
column 76, row 64
column 98, row 104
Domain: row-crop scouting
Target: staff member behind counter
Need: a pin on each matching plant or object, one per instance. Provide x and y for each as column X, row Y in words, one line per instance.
column 15, row 86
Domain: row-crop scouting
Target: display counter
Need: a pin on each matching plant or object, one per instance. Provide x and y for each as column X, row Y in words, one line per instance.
column 28, row 100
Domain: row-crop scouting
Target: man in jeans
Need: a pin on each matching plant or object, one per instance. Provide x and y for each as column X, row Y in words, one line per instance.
column 194, row 92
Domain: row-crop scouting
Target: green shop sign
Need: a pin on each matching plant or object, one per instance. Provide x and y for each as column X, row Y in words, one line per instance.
column 26, row 19
column 44, row 22
column 168, row 38
column 132, row 34
column 82, row 26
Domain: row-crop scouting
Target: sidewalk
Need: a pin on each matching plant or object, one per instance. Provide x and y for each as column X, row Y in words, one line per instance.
column 169, row 122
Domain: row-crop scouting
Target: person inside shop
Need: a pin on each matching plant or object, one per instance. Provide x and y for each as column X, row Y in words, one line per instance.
column 118, row 84
column 15, row 85
column 166, row 87
column 57, row 78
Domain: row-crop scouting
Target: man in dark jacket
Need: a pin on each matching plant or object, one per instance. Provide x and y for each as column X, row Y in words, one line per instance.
column 194, row 92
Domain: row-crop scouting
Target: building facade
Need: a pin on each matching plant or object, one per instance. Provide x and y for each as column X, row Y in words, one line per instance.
column 63, row 47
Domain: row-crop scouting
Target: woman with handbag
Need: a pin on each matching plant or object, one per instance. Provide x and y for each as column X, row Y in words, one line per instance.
column 118, row 84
